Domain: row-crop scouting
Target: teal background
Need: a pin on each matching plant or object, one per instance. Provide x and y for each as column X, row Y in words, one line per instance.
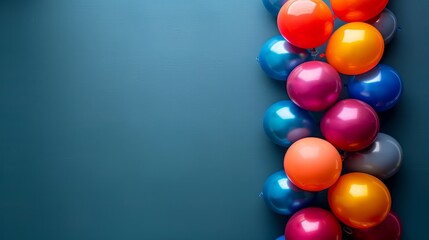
column 138, row 119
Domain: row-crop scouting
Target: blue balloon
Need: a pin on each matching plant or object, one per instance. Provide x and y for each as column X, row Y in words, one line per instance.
column 284, row 198
column 273, row 6
column 381, row 87
column 285, row 123
column 282, row 237
column 278, row 58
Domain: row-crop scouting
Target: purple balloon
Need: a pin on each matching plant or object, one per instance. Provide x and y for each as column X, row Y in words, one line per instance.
column 314, row 85
column 389, row 229
column 386, row 23
column 350, row 125
column 313, row 223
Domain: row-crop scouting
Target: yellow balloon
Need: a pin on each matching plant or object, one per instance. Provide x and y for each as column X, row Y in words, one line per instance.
column 355, row 48
column 359, row 200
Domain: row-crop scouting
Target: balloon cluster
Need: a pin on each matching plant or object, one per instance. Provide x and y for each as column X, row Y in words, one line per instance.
column 352, row 158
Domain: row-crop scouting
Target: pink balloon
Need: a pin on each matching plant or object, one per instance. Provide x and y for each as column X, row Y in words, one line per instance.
column 314, row 85
column 313, row 223
column 389, row 229
column 350, row 125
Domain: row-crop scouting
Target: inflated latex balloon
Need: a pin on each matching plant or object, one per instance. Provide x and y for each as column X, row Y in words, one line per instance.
column 382, row 159
column 350, row 125
column 389, row 229
column 312, row 164
column 355, row 48
column 313, row 223
column 357, row 10
column 281, row 238
column 359, row 200
column 278, row 58
column 386, row 23
column 285, row 123
column 381, row 87
column 314, row 85
column 305, row 23
column 273, row 6
column 282, row 197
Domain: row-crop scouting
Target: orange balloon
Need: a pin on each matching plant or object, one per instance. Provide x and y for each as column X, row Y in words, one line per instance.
column 355, row 48
column 312, row 164
column 357, row 10
column 305, row 23
column 359, row 200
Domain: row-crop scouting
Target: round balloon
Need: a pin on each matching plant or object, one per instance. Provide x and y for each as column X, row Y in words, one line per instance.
column 359, row 200
column 350, row 125
column 273, row 6
column 314, row 85
column 357, row 10
column 355, row 48
column 285, row 123
column 313, row 223
column 386, row 23
column 281, row 238
column 389, row 229
column 312, row 164
column 381, row 87
column 382, row 159
column 278, row 58
column 281, row 196
column 305, row 23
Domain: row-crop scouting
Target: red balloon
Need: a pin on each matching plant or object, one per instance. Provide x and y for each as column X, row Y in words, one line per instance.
column 350, row 125
column 305, row 23
column 357, row 10
column 389, row 229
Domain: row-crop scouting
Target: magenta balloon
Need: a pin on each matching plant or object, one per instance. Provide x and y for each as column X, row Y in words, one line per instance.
column 314, row 85
column 350, row 125
column 389, row 229
column 313, row 223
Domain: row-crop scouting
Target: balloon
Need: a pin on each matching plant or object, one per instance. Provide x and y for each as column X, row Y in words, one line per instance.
column 314, row 85
column 350, row 125
column 273, row 6
column 305, row 23
column 389, row 229
column 386, row 23
column 313, row 223
column 278, row 58
column 281, row 238
column 359, row 200
column 284, row 123
column 381, row 87
column 312, row 164
column 355, row 48
column 357, row 10
column 284, row 198
column 382, row 159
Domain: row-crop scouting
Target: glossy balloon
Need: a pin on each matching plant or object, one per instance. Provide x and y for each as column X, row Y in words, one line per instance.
column 386, row 23
column 359, row 200
column 278, row 58
column 281, row 196
column 381, row 87
column 357, row 10
column 273, row 6
column 389, row 229
column 313, row 223
column 285, row 123
column 350, row 125
column 305, row 23
column 382, row 159
column 312, row 164
column 314, row 85
column 355, row 48
column 281, row 238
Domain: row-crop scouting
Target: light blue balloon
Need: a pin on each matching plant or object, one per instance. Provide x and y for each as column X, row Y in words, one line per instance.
column 381, row 87
column 281, row 196
column 285, row 123
column 278, row 58
column 273, row 6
